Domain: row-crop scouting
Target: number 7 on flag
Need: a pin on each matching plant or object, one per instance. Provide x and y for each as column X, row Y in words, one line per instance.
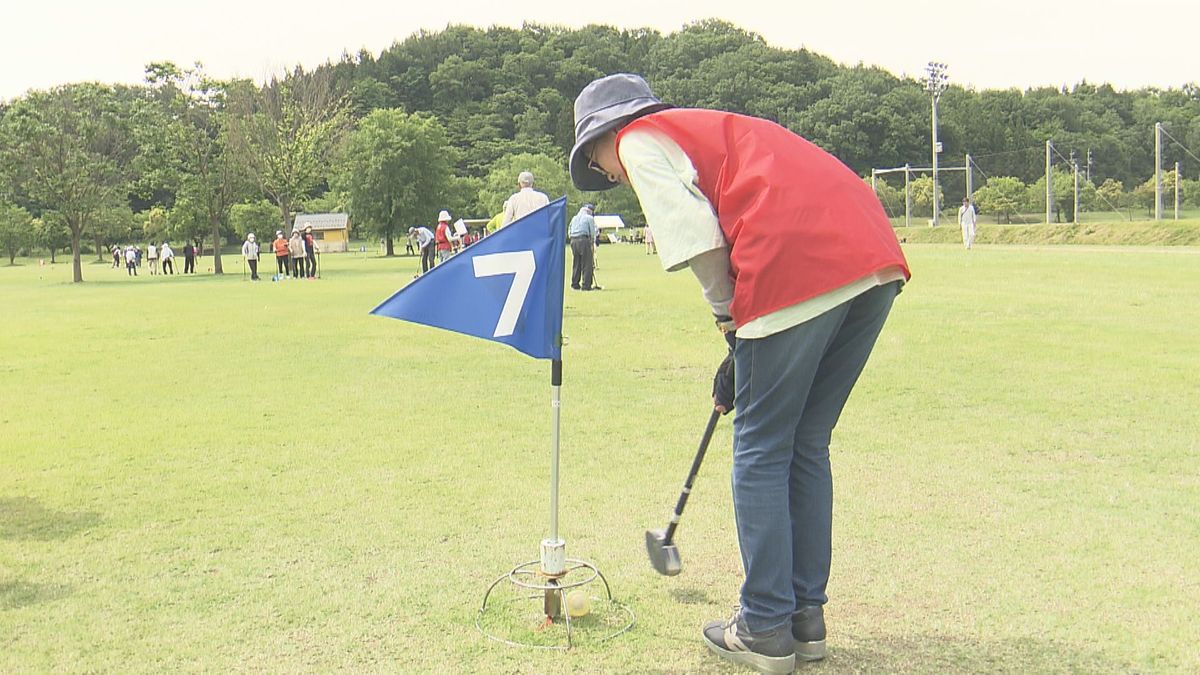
column 521, row 265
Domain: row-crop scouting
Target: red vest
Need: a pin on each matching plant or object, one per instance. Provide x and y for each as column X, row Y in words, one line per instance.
column 799, row 222
column 442, row 237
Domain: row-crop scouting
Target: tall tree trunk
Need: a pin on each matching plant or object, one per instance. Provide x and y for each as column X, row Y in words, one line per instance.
column 390, row 250
column 285, row 213
column 216, row 232
column 76, row 263
column 99, row 249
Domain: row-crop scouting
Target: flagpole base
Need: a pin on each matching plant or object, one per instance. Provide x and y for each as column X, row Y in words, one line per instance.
column 520, row 619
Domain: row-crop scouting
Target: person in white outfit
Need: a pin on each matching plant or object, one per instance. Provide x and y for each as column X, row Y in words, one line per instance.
column 168, row 258
column 152, row 256
column 525, row 201
column 250, row 253
column 966, row 219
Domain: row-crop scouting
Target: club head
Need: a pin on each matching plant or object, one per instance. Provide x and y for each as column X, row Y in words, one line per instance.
column 663, row 556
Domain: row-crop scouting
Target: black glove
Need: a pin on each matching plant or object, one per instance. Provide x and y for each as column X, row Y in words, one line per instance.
column 723, row 384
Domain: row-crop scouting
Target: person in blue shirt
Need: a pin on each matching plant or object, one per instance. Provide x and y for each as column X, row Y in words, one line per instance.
column 582, row 233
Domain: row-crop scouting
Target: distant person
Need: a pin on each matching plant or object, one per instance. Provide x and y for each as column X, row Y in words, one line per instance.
column 137, row 255
column 116, row 256
column 296, row 251
column 650, row 247
column 410, row 242
column 168, row 258
column 444, row 237
column 189, row 258
column 310, row 251
column 966, row 220
column 250, row 253
column 152, row 256
column 525, row 201
column 281, row 254
column 582, row 234
column 425, row 240
column 131, row 260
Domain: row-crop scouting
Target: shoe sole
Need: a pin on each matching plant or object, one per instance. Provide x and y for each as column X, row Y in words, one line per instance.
column 773, row 665
column 810, row 651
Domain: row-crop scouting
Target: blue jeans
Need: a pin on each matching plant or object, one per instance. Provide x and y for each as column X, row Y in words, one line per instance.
column 790, row 390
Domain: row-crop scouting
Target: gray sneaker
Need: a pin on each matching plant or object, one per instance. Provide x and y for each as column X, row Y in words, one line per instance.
column 808, row 632
column 767, row 652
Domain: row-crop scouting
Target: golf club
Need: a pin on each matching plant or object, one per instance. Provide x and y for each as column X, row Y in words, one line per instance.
column 664, row 555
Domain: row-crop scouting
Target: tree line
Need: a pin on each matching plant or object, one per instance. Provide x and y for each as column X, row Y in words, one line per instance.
column 446, row 119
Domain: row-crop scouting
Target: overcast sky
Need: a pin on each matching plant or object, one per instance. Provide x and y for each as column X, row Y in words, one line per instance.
column 1010, row 43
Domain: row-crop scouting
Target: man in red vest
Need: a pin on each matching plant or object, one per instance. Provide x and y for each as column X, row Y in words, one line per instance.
column 799, row 263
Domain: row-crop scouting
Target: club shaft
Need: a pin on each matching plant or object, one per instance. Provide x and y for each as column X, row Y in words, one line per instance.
column 691, row 477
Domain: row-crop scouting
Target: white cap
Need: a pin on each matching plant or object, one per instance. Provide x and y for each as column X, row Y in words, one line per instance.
column 444, row 217
column 525, row 178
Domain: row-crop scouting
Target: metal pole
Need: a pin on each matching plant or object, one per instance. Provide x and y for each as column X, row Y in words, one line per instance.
column 1176, row 190
column 970, row 178
column 1049, row 181
column 907, row 198
column 554, row 554
column 935, row 162
column 1075, row 167
column 1158, row 170
column 873, row 188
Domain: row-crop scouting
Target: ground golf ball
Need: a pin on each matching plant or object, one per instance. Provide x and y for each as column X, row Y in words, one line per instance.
column 578, row 603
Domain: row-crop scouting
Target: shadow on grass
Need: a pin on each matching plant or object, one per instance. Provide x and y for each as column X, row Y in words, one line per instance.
column 23, row 518
column 18, row 594
column 946, row 654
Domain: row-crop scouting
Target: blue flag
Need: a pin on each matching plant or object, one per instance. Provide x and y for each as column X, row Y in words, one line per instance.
column 507, row 287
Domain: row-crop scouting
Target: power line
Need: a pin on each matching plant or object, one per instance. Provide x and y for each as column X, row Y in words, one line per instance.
column 1185, row 148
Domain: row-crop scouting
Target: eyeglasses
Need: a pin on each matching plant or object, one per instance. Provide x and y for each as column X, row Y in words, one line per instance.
column 591, row 164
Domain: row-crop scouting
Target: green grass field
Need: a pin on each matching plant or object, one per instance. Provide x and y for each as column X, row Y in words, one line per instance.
column 206, row 474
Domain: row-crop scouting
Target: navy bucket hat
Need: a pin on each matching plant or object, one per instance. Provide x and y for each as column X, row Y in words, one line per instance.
column 603, row 105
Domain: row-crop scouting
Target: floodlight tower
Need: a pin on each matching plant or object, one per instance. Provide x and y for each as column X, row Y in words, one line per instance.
column 935, row 83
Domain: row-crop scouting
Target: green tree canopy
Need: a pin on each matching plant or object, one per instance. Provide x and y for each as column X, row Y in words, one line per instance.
column 396, row 171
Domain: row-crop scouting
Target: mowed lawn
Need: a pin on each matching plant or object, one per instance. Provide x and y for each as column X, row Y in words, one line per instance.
column 208, row 474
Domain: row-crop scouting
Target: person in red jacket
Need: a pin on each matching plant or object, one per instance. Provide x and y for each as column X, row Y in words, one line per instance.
column 800, row 266
column 444, row 237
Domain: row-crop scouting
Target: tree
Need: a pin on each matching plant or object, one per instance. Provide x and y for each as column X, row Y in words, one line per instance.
column 550, row 176
column 921, row 190
column 16, row 230
column 396, row 171
column 260, row 217
column 1002, row 196
column 192, row 155
column 890, row 197
column 50, row 231
column 284, row 133
column 1111, row 193
column 73, row 151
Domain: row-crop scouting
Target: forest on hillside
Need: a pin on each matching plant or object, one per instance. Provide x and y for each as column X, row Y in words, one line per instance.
column 445, row 119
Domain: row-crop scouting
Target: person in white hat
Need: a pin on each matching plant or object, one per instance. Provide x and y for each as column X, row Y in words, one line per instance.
column 525, row 201
column 250, row 253
column 800, row 266
column 444, row 237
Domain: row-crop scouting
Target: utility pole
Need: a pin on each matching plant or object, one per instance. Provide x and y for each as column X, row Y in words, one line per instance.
column 907, row 198
column 1089, row 165
column 1158, row 170
column 1049, row 182
column 970, row 177
column 1075, row 167
column 935, row 84
column 1176, row 190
